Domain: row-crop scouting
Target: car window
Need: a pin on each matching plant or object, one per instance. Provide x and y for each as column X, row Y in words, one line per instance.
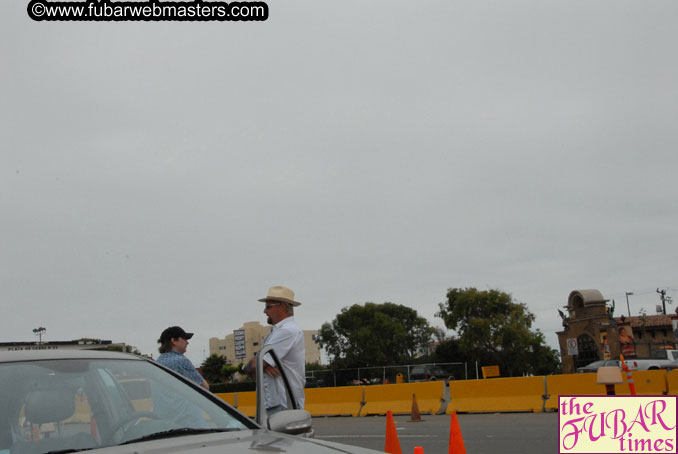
column 81, row 404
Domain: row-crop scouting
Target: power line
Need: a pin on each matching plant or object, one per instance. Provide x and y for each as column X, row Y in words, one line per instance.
column 643, row 291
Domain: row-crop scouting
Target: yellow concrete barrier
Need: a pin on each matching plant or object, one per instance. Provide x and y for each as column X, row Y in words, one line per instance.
column 143, row 404
column 344, row 400
column 672, row 383
column 227, row 397
column 83, row 412
column 648, row 383
column 497, row 394
column 398, row 398
column 492, row 395
column 247, row 403
column 572, row 384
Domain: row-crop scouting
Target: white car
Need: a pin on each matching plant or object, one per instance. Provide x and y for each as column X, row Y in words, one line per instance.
column 593, row 367
column 54, row 401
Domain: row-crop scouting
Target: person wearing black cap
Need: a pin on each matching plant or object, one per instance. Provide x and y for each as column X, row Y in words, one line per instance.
column 173, row 343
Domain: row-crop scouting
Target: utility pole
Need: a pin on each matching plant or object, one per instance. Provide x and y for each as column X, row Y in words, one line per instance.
column 627, row 302
column 662, row 295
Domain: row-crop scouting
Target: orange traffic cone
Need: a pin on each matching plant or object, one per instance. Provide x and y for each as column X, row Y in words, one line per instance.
column 456, row 440
column 629, row 376
column 392, row 443
column 418, row 450
column 415, row 410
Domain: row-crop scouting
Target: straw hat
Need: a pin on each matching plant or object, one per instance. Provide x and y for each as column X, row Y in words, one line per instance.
column 280, row 294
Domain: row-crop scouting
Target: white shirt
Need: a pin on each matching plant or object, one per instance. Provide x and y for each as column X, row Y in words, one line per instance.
column 287, row 340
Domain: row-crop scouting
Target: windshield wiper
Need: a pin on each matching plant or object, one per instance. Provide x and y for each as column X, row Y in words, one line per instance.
column 178, row 433
column 66, row 451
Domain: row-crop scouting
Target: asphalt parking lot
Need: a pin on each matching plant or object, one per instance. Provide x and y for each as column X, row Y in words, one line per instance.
column 508, row 433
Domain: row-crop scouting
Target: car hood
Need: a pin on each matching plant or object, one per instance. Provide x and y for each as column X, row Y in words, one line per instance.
column 245, row 441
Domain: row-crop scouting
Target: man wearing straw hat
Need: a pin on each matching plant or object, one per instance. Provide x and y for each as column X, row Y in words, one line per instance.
column 287, row 340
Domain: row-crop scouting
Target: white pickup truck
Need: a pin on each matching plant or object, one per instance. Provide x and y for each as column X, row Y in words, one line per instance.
column 659, row 360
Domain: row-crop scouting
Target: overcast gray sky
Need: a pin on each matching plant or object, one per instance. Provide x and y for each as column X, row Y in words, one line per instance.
column 169, row 173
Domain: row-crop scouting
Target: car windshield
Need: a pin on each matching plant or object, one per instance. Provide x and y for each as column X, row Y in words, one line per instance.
column 76, row 404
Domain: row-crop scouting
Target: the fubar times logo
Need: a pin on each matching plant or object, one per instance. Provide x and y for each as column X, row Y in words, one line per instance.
column 617, row 424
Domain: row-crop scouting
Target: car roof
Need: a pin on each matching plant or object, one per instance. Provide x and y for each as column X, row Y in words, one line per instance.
column 600, row 362
column 41, row 355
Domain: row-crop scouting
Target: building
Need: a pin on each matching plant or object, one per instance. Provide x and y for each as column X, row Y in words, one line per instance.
column 244, row 342
column 591, row 332
column 82, row 344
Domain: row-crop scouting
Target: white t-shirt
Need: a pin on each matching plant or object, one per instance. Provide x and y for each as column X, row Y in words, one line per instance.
column 287, row 340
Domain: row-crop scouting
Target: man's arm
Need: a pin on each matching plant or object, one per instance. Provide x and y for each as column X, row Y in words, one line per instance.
column 282, row 342
column 251, row 367
column 271, row 370
column 189, row 371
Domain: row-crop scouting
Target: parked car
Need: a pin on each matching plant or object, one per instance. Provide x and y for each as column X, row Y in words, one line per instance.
column 593, row 367
column 658, row 359
column 670, row 366
column 364, row 382
column 114, row 403
column 429, row 372
column 314, row 382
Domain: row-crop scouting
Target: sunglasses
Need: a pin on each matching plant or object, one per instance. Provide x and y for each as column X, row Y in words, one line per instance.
column 268, row 306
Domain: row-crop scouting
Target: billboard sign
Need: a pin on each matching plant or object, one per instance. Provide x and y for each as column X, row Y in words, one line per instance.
column 239, row 341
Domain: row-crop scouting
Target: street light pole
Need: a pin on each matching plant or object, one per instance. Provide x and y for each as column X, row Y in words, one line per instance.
column 39, row 332
column 627, row 302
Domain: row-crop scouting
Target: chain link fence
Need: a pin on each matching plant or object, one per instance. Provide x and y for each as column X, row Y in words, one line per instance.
column 388, row 374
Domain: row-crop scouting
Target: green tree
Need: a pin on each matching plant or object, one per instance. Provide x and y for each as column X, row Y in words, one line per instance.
column 228, row 371
column 448, row 351
column 128, row 349
column 374, row 335
column 212, row 368
column 493, row 329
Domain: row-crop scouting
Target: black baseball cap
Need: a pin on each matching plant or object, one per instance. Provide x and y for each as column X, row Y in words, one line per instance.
column 174, row 332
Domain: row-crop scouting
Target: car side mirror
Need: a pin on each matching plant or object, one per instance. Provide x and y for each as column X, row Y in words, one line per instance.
column 291, row 422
